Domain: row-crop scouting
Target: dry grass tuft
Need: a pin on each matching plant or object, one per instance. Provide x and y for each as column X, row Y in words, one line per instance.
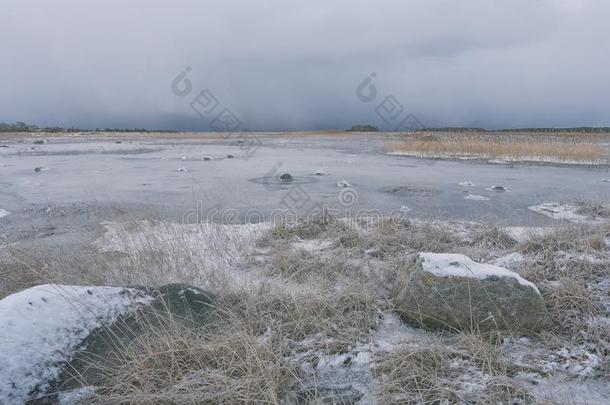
column 181, row 366
column 300, row 265
column 571, row 305
column 416, row 375
column 324, row 225
column 484, row 352
column 501, row 390
column 321, row 320
column 567, row 238
column 493, row 237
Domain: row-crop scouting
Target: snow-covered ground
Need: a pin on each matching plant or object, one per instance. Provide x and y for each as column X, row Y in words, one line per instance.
column 41, row 327
column 458, row 265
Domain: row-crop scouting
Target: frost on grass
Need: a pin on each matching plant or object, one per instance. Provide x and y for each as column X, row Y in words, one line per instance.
column 41, row 327
column 311, row 316
column 157, row 253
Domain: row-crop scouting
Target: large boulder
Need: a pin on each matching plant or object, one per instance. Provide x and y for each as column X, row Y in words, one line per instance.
column 56, row 338
column 451, row 291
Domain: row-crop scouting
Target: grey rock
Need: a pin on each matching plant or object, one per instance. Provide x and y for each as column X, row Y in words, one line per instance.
column 286, row 178
column 453, row 292
column 186, row 305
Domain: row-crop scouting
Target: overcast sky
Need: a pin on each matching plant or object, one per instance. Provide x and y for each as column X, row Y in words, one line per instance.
column 298, row 64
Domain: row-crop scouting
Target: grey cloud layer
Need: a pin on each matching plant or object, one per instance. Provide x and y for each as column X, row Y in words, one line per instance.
column 296, row 64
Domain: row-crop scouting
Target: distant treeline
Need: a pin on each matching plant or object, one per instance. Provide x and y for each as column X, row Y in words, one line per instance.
column 575, row 129
column 23, row 127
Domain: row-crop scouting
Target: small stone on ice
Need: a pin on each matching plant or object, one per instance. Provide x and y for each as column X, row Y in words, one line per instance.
column 286, row 178
column 499, row 189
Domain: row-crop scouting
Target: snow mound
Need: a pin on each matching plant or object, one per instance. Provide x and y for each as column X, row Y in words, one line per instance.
column 559, row 211
column 343, row 184
column 523, row 233
column 509, row 260
column 458, row 265
column 41, row 327
column 476, row 197
column 3, row 213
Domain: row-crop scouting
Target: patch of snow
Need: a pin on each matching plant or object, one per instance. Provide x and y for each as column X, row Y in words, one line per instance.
column 476, row 197
column 509, row 260
column 76, row 396
column 523, row 233
column 497, row 189
column 404, row 208
column 393, row 332
column 458, row 265
column 319, row 172
column 343, row 184
column 466, row 184
column 182, row 169
column 606, row 180
column 3, row 213
column 560, row 211
column 313, row 245
column 42, row 326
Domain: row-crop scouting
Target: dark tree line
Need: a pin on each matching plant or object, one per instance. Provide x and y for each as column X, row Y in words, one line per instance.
column 23, row 127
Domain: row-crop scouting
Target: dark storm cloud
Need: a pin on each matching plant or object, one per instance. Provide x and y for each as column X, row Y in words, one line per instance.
column 297, row 64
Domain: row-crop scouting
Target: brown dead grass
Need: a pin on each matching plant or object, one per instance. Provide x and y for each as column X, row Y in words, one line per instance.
column 558, row 147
